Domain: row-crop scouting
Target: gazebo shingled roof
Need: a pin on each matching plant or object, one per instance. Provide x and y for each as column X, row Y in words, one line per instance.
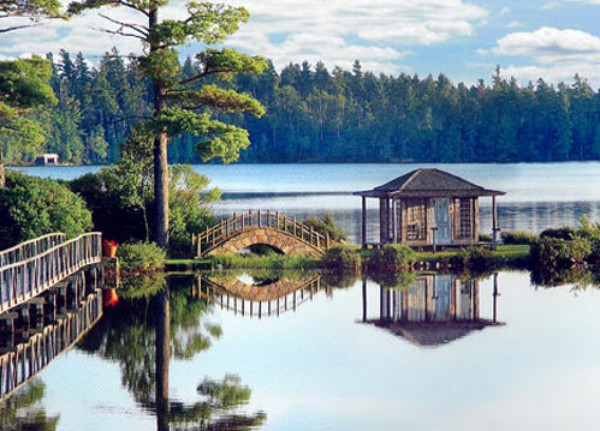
column 429, row 182
column 432, row 334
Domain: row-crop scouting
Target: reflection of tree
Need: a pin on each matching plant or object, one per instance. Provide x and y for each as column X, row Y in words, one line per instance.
column 217, row 409
column 127, row 334
column 143, row 332
column 394, row 279
column 579, row 276
column 22, row 411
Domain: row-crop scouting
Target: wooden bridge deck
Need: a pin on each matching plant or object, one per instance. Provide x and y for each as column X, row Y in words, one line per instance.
column 226, row 230
column 35, row 266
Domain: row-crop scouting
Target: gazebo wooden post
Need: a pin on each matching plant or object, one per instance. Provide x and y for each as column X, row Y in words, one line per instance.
column 394, row 221
column 495, row 228
column 384, row 220
column 364, row 222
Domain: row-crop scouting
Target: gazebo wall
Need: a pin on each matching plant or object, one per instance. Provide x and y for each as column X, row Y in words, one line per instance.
column 388, row 211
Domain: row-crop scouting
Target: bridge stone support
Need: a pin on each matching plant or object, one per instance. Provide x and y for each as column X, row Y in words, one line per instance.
column 279, row 240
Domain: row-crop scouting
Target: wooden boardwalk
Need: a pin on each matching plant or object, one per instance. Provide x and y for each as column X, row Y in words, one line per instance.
column 261, row 227
column 35, row 266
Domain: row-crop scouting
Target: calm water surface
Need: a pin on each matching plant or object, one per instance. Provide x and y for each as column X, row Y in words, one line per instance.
column 425, row 353
column 538, row 195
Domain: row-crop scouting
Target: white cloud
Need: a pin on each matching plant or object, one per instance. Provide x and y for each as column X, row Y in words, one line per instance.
column 504, row 11
column 514, row 24
column 553, row 4
column 549, row 45
column 554, row 54
column 378, row 32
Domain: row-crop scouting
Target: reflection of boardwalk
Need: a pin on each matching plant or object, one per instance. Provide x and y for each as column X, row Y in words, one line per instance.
column 70, row 317
column 433, row 310
column 266, row 300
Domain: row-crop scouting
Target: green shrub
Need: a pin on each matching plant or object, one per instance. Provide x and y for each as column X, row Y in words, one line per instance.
column 552, row 252
column 591, row 231
column 278, row 261
column 31, row 207
column 326, row 226
column 340, row 258
column 485, row 237
column 565, row 233
column 518, row 237
column 475, row 258
column 141, row 257
column 392, row 256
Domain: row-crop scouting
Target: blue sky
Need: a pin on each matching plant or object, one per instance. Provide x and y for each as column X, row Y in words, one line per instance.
column 464, row 39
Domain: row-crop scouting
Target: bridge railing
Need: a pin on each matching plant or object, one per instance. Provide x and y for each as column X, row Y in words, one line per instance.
column 27, row 278
column 289, row 301
column 261, row 219
column 28, row 249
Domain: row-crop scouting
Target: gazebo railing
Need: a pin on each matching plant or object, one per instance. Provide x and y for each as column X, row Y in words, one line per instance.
column 27, row 278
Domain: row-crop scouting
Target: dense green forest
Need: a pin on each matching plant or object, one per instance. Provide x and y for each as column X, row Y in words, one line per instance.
column 317, row 115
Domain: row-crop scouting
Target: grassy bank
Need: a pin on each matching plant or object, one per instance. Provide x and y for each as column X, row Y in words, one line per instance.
column 507, row 256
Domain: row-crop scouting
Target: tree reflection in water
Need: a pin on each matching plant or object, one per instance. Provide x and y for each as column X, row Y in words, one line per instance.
column 160, row 318
column 23, row 411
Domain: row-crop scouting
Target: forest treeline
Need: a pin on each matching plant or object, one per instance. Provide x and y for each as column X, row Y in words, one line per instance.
column 317, row 115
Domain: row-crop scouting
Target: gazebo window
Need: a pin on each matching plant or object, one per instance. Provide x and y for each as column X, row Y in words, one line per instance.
column 465, row 219
column 416, row 221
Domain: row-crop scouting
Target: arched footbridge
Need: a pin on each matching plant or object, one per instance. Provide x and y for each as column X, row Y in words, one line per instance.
column 284, row 234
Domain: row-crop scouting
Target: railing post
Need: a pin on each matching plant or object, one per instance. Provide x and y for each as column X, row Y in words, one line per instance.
column 259, row 219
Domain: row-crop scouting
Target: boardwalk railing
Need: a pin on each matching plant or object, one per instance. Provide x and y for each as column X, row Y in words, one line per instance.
column 27, row 278
column 30, row 248
column 23, row 362
column 226, row 229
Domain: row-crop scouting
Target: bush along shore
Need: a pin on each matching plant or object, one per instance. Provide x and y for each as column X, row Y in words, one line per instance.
column 351, row 258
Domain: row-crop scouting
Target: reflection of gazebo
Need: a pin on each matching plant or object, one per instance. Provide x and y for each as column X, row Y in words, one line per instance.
column 432, row 311
column 428, row 206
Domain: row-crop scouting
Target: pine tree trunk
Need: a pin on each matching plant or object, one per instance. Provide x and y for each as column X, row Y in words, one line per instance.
column 2, row 176
column 161, row 166
column 161, row 190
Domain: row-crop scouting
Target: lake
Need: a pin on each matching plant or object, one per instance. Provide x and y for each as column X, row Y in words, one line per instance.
column 299, row 351
column 302, row 352
column 538, row 195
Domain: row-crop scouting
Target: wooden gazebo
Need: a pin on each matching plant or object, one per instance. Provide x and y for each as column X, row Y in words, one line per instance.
column 429, row 207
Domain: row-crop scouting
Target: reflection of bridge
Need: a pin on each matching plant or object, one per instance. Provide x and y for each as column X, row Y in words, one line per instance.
column 267, row 300
column 283, row 233
column 31, row 268
column 433, row 310
column 40, row 330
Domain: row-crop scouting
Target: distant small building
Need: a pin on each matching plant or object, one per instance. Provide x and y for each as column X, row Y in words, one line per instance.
column 427, row 207
column 48, row 159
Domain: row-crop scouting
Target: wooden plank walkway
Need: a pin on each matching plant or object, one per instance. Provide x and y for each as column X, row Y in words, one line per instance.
column 33, row 267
